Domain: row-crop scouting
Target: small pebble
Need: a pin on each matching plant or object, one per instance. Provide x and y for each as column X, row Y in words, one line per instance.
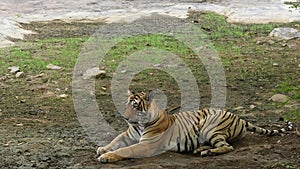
column 63, row 96
column 20, row 74
column 53, row 67
column 279, row 98
column 14, row 69
column 252, row 106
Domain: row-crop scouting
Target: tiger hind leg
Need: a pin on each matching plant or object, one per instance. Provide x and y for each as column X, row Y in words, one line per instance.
column 220, row 147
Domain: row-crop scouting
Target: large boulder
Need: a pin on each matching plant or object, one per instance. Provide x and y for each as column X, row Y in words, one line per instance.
column 285, row 33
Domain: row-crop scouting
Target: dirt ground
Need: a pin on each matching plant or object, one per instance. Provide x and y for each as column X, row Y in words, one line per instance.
column 38, row 132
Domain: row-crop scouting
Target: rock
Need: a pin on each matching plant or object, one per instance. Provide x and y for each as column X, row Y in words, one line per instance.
column 62, row 154
column 20, row 74
column 61, row 141
column 37, row 76
column 53, row 67
column 19, row 125
column 271, row 42
column 94, row 72
column 157, row 65
column 239, row 108
column 258, row 103
column 258, row 42
column 14, row 69
column 275, row 64
column 248, row 115
column 252, row 106
column 278, row 111
column 27, row 154
column 63, row 96
column 268, row 146
column 48, row 94
column 279, row 98
column 284, row 45
column 44, row 157
column 285, row 33
column 42, row 165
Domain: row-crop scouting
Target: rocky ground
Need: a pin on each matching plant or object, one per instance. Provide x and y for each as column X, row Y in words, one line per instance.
column 243, row 11
column 39, row 126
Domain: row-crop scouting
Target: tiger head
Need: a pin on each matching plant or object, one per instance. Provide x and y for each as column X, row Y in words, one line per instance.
column 139, row 108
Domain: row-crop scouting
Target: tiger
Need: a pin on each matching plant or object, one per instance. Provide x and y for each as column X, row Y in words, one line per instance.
column 153, row 131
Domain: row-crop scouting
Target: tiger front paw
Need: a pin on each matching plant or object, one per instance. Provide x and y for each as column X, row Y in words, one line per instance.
column 109, row 157
column 101, row 150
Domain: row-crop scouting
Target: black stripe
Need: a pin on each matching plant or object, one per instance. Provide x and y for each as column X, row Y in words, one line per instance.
column 186, row 144
column 182, row 121
column 213, row 126
column 149, row 130
column 215, row 117
column 235, row 126
column 198, row 143
column 198, row 118
column 195, row 130
column 203, row 113
column 267, row 131
column 178, row 147
column 184, row 128
column 178, row 139
column 125, row 141
column 172, row 135
column 151, row 123
column 134, row 127
column 241, row 130
column 228, row 125
column 225, row 113
column 224, row 120
column 186, row 119
column 192, row 142
column 212, row 137
column 217, row 141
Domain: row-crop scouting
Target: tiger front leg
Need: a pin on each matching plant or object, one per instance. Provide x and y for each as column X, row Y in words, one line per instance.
column 140, row 150
column 110, row 157
column 121, row 140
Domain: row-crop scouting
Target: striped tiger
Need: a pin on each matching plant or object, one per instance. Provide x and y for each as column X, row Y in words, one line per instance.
column 152, row 131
